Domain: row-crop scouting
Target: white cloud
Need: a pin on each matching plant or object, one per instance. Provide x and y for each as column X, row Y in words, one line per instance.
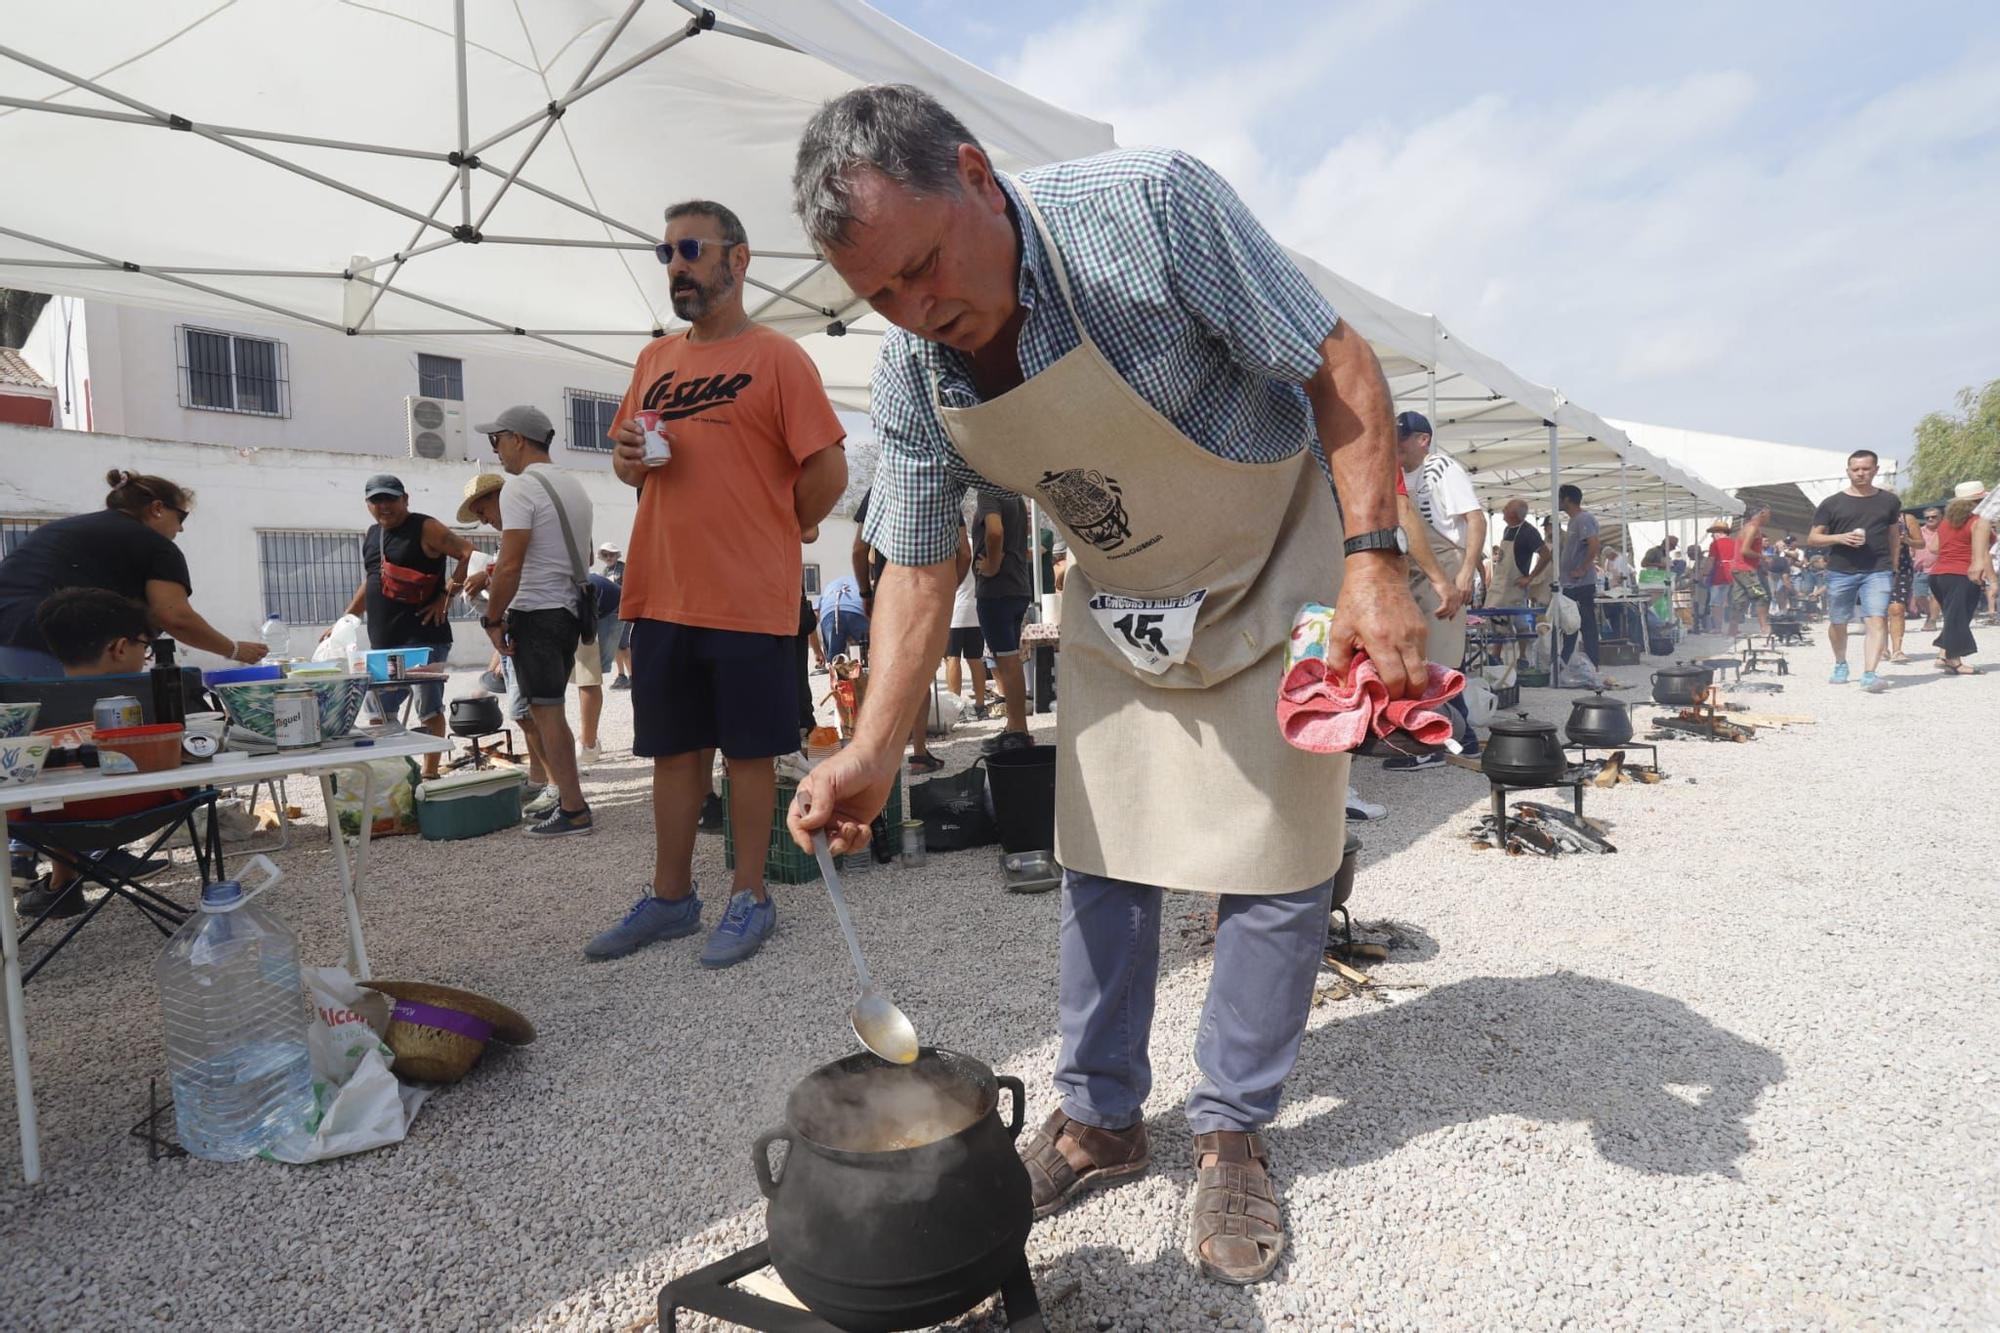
column 1645, row 251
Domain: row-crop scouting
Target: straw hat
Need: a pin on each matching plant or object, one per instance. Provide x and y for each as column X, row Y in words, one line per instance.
column 439, row 1032
column 484, row 484
column 1968, row 490
column 1720, row 525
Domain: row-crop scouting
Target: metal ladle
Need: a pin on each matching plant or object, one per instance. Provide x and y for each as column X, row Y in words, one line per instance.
column 882, row 1027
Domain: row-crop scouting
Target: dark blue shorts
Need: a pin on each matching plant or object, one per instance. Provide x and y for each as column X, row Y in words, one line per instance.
column 713, row 689
column 1000, row 620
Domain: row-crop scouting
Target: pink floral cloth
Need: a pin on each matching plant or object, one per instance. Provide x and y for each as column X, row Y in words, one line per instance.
column 1328, row 714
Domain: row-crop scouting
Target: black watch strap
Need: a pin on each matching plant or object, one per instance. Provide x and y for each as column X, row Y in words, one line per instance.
column 1382, row 539
column 485, row 623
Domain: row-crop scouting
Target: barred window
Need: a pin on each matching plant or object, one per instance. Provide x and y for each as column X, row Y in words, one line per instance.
column 228, row 372
column 590, row 417
column 812, row 580
column 309, row 577
column 440, row 376
column 488, row 542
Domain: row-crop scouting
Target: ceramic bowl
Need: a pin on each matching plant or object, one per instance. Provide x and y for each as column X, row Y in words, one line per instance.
column 249, row 703
column 21, row 759
column 17, row 719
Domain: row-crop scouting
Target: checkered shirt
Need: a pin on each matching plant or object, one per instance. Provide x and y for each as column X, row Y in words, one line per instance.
column 1183, row 291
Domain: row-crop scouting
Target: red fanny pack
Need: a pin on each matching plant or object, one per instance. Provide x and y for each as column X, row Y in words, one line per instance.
column 411, row 587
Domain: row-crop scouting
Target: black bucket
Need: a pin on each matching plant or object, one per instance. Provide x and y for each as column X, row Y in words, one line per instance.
column 1023, row 784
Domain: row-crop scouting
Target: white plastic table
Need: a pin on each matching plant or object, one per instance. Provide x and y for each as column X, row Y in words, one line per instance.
column 229, row 769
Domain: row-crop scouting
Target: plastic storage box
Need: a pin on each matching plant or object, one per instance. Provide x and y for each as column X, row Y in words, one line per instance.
column 469, row 805
column 784, row 863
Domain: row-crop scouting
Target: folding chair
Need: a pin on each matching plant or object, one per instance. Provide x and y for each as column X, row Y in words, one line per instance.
column 71, row 842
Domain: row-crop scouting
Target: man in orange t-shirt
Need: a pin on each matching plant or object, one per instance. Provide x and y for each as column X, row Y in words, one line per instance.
column 712, row 573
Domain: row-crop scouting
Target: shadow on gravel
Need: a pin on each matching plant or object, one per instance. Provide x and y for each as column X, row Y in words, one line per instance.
column 1663, row 1089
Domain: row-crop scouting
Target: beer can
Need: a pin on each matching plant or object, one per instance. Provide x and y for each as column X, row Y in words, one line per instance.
column 120, row 710
column 295, row 717
column 395, row 668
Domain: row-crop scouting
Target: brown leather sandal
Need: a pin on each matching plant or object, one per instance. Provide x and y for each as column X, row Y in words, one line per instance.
column 1065, row 1157
column 1237, row 1228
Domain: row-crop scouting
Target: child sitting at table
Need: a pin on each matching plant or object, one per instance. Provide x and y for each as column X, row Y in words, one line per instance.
column 92, row 632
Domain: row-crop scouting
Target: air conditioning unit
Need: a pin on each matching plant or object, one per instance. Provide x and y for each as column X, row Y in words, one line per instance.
column 437, row 428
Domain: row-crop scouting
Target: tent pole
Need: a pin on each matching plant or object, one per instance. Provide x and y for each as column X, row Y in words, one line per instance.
column 231, row 131
column 464, row 118
column 1555, row 555
column 563, row 103
column 402, row 257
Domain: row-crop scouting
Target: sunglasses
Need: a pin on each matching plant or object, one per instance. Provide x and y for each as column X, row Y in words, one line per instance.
column 177, row 512
column 1932, row 518
column 495, row 438
column 687, row 248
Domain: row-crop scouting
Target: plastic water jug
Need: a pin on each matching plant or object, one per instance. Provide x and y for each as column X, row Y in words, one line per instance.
column 236, row 1022
column 277, row 637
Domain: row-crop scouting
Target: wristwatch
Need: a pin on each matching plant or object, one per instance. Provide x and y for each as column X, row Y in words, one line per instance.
column 486, row 623
column 1382, row 539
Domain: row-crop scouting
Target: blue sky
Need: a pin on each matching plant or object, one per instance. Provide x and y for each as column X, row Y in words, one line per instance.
column 1775, row 220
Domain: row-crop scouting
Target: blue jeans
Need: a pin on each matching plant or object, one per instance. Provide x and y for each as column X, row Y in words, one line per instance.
column 1871, row 590
column 1267, row 955
column 840, row 629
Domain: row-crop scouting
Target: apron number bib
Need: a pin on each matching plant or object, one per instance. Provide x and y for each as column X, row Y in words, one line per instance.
column 1153, row 635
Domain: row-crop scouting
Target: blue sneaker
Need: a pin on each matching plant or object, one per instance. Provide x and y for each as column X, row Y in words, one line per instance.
column 1839, row 676
column 1873, row 683
column 650, row 920
column 745, row 927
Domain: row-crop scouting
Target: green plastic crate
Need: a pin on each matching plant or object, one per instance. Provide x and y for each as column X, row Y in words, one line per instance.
column 784, row 863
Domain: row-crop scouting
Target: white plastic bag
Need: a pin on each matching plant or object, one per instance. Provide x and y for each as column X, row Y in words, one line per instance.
column 1478, row 698
column 357, row 1102
column 392, row 805
column 1568, row 614
column 342, row 639
column 947, row 710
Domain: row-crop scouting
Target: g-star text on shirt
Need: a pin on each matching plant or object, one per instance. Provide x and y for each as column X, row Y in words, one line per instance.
column 690, row 397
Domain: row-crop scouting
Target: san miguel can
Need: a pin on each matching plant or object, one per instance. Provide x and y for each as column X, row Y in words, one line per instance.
column 120, row 710
column 295, row 717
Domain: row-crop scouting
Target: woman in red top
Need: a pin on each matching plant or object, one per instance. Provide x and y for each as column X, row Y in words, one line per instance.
column 1964, row 541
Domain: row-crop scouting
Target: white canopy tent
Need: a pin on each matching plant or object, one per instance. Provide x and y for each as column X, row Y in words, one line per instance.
column 454, row 173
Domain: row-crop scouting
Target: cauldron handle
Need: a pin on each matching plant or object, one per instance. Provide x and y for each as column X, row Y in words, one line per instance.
column 760, row 1157
column 1020, row 1091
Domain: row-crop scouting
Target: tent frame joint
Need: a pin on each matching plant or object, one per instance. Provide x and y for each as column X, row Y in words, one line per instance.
column 458, row 159
column 467, row 233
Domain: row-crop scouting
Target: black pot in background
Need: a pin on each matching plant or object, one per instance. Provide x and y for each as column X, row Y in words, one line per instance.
column 899, row 1238
column 1599, row 721
column 1343, row 878
column 1681, row 685
column 1523, row 750
column 476, row 715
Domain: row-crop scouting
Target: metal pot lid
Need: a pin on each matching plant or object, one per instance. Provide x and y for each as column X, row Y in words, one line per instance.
column 1679, row 671
column 1522, row 725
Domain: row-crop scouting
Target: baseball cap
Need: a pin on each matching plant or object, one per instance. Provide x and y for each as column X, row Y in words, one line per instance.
column 383, row 484
column 530, row 423
column 608, row 548
column 1413, row 423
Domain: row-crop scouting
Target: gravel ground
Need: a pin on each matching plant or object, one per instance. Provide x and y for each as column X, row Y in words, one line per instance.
column 1739, row 1074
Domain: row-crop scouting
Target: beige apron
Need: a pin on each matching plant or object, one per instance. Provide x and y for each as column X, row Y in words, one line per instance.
column 1186, row 573
column 1538, row 587
column 1444, row 640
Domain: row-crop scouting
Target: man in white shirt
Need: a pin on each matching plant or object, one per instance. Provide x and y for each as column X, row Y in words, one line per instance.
column 534, row 597
column 1442, row 491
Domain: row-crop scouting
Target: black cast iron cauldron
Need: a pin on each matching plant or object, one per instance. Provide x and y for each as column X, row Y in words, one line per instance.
column 1598, row 721
column 1523, row 751
column 1681, row 685
column 873, row 1234
column 476, row 715
column 1343, row 878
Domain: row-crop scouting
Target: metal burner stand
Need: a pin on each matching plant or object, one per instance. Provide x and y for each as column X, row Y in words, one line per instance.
column 709, row 1291
column 1757, row 656
column 1583, row 752
column 1501, row 790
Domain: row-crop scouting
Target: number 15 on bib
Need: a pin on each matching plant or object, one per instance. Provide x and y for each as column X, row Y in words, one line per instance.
column 1154, row 634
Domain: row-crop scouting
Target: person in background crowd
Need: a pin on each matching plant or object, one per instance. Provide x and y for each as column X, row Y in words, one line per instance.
column 1902, row 588
column 1442, row 491
column 1003, row 588
column 1962, row 564
column 713, row 578
column 1721, row 570
column 611, row 564
column 92, row 632
column 843, row 623
column 533, row 598
column 1697, row 586
column 965, row 643
column 1617, row 570
column 1579, row 558
column 1921, row 539
column 126, row 547
column 404, row 592
column 1860, row 531
column 1524, row 568
column 592, row 661
column 1749, row 588
column 481, row 504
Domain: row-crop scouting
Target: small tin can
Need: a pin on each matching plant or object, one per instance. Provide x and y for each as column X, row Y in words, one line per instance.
column 656, row 451
column 913, row 842
column 295, row 718
column 396, row 666
column 120, row 710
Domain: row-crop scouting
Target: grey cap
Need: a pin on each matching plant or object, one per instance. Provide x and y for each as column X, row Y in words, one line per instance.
column 383, row 484
column 530, row 423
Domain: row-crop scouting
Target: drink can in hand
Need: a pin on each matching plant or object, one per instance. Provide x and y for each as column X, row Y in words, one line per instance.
column 656, row 450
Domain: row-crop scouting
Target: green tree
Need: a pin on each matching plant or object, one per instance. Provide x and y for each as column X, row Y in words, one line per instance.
column 1954, row 448
column 18, row 310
